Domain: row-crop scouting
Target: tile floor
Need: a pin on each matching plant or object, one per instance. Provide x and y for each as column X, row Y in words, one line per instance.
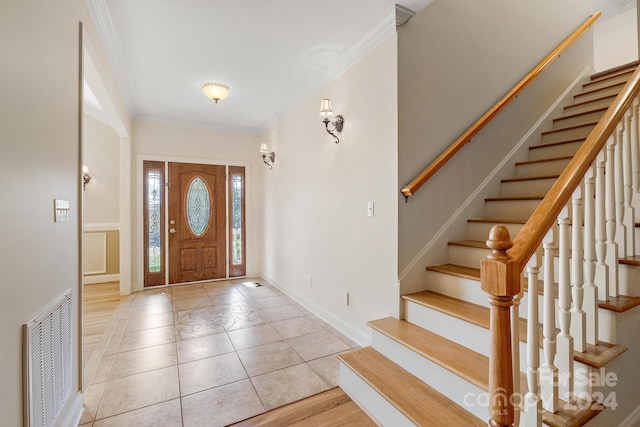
column 209, row 355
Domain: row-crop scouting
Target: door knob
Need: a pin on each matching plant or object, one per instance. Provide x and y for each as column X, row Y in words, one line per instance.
column 172, row 222
column 172, row 230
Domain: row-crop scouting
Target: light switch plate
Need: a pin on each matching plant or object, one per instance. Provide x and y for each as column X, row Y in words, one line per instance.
column 60, row 210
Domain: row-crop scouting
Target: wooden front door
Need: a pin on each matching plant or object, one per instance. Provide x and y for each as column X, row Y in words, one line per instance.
column 197, row 222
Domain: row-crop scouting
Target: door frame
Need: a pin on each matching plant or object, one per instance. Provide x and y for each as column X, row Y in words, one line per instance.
column 139, row 169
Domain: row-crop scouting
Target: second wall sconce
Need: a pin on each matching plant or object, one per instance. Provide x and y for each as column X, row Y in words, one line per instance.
column 85, row 177
column 268, row 157
column 337, row 122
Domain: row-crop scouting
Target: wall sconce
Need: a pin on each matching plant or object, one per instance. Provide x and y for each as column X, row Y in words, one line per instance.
column 85, row 177
column 337, row 122
column 268, row 157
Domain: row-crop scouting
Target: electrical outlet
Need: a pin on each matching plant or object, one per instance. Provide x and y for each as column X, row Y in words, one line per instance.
column 346, row 298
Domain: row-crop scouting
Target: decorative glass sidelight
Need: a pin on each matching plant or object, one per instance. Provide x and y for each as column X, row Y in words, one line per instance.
column 236, row 219
column 154, row 186
column 198, row 206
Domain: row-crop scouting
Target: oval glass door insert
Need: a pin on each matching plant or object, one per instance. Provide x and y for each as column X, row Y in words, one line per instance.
column 198, row 206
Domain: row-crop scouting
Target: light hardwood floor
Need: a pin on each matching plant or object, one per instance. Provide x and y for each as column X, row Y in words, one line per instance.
column 100, row 301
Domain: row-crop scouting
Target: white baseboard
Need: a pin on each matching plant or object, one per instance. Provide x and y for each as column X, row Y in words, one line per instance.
column 359, row 336
column 633, row 420
column 72, row 417
column 100, row 278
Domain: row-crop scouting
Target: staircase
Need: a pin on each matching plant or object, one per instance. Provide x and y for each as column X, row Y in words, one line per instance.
column 432, row 368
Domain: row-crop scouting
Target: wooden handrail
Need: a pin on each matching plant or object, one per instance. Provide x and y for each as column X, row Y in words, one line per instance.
column 530, row 237
column 466, row 137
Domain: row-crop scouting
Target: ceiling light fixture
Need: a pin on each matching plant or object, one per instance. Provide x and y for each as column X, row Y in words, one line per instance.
column 337, row 122
column 216, row 91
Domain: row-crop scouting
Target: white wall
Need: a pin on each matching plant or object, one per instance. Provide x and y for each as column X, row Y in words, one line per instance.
column 455, row 60
column 39, row 137
column 154, row 141
column 102, row 157
column 316, row 223
column 615, row 40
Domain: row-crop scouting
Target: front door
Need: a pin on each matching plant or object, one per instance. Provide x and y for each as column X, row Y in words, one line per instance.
column 197, row 222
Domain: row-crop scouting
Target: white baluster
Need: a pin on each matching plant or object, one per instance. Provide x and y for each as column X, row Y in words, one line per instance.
column 621, row 232
column 602, row 270
column 610, row 212
column 564, row 339
column 578, row 316
column 548, row 371
column 590, row 304
column 532, row 402
column 515, row 353
column 629, row 212
column 635, row 146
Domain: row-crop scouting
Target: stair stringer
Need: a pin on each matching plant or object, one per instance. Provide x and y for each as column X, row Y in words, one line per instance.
column 412, row 277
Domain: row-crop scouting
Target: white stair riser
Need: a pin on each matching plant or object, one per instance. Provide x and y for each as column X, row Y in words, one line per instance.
column 629, row 280
column 376, row 406
column 567, row 134
column 457, row 287
column 552, row 167
column 529, row 188
column 480, row 230
column 451, row 385
column 588, row 117
column 467, row 256
column 622, row 78
column 510, row 208
column 587, row 106
column 598, row 93
column 542, row 152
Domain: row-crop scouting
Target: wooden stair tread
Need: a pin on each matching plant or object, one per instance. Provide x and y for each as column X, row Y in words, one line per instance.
column 332, row 407
column 551, row 159
column 552, row 144
column 611, row 77
column 531, row 178
column 456, row 270
column 507, row 199
column 584, row 113
column 456, row 358
column 596, row 356
column 632, row 260
column 498, row 221
column 479, row 244
column 591, row 91
column 620, row 304
column 419, row 402
column 581, row 103
column 584, row 125
column 615, row 70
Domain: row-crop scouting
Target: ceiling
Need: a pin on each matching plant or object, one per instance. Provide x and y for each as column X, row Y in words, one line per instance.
column 273, row 54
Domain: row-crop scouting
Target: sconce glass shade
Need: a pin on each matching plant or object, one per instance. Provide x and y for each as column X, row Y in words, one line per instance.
column 325, row 108
column 85, row 169
column 216, row 91
column 264, row 148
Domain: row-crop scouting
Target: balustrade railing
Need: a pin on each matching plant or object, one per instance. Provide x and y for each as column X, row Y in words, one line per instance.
column 574, row 238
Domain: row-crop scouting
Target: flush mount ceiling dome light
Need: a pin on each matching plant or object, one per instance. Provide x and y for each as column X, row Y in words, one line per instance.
column 215, row 91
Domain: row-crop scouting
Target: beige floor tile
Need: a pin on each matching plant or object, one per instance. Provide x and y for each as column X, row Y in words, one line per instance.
column 158, row 296
column 137, row 391
column 86, row 425
column 348, row 341
column 210, row 372
column 120, row 326
column 114, row 345
column 102, row 371
column 268, row 358
column 185, row 292
column 92, row 399
column 297, row 326
column 143, row 360
column 275, row 314
column 227, row 298
column 221, row 406
column 203, row 347
column 190, row 304
column 268, row 302
column 220, row 290
column 328, row 368
column 148, row 322
column 321, row 322
column 210, row 320
column 319, row 344
column 165, row 414
column 261, row 292
column 147, row 338
column 287, row 385
column 148, row 309
column 254, row 336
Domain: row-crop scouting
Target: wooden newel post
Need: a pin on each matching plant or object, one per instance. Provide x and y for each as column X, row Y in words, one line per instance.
column 500, row 278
